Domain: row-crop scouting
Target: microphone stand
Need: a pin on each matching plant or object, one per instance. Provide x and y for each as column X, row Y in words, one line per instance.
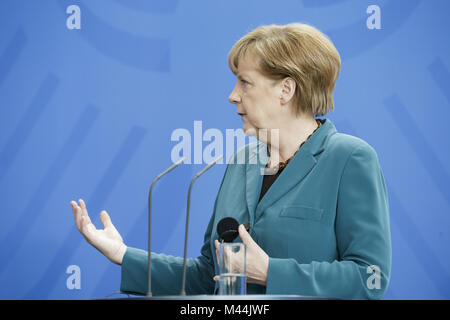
column 183, row 281
column 149, row 272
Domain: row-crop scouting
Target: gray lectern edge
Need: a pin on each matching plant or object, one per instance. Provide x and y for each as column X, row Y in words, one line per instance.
column 223, row 297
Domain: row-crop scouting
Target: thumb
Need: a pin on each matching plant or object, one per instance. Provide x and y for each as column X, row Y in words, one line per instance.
column 245, row 236
column 105, row 219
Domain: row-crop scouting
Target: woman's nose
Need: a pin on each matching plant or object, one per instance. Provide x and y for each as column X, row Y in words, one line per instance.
column 234, row 96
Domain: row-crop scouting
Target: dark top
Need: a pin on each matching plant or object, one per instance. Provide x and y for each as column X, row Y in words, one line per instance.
column 267, row 182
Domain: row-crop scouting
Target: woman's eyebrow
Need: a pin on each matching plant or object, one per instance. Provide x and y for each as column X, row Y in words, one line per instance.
column 240, row 76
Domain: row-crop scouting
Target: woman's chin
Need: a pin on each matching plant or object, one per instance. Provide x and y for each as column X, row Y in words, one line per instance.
column 249, row 131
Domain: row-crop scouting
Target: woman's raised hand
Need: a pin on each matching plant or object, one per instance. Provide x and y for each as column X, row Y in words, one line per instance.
column 108, row 241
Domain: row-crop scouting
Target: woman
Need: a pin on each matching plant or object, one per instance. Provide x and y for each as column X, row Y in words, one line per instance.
column 318, row 213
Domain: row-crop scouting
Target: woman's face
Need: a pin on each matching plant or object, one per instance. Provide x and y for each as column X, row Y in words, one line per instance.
column 256, row 97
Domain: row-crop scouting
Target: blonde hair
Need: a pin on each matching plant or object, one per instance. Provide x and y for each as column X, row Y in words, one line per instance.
column 298, row 51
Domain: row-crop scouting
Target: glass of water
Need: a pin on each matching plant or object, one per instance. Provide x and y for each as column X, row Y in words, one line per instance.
column 233, row 272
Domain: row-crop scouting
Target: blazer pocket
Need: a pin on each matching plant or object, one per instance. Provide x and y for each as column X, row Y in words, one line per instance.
column 302, row 212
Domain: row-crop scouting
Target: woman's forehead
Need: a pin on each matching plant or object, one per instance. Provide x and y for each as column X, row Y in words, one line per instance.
column 248, row 65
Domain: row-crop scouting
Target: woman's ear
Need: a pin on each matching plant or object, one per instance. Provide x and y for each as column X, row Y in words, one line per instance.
column 288, row 86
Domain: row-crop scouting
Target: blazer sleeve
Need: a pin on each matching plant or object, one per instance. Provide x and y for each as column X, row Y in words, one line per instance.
column 363, row 240
column 167, row 271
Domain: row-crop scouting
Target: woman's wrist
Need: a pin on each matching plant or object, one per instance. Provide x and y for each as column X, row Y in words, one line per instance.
column 120, row 253
column 261, row 277
column 265, row 270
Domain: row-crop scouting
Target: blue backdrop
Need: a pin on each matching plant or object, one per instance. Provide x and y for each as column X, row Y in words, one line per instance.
column 88, row 113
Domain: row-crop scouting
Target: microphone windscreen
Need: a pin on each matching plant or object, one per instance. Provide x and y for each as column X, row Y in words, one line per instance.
column 227, row 229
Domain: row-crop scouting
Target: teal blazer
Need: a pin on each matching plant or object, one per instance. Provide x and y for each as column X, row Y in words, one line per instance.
column 324, row 224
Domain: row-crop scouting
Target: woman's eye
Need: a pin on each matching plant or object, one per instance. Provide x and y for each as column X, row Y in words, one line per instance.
column 244, row 82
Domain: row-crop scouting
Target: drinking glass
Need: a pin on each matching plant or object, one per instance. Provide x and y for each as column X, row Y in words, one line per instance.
column 232, row 268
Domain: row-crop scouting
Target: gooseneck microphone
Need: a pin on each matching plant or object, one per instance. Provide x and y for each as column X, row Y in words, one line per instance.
column 183, row 279
column 149, row 273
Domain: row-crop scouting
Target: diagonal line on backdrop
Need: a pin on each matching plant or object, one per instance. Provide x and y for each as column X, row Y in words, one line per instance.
column 429, row 159
column 26, row 124
column 144, row 53
column 395, row 14
column 11, row 243
column 12, row 53
column 441, row 76
column 73, row 240
column 436, row 272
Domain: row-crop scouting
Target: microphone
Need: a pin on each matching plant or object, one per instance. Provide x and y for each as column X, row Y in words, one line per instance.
column 227, row 229
column 149, row 272
column 183, row 279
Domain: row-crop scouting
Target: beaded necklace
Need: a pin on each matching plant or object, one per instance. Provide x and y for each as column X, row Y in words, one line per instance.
column 282, row 165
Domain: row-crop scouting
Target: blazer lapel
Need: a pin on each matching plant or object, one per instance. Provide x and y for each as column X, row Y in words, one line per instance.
column 258, row 158
column 297, row 169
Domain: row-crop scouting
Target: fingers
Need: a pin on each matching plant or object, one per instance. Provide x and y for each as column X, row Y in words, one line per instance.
column 84, row 229
column 217, row 244
column 82, row 219
column 82, row 205
column 105, row 219
column 76, row 213
column 245, row 236
column 84, row 209
column 226, row 252
column 83, row 225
